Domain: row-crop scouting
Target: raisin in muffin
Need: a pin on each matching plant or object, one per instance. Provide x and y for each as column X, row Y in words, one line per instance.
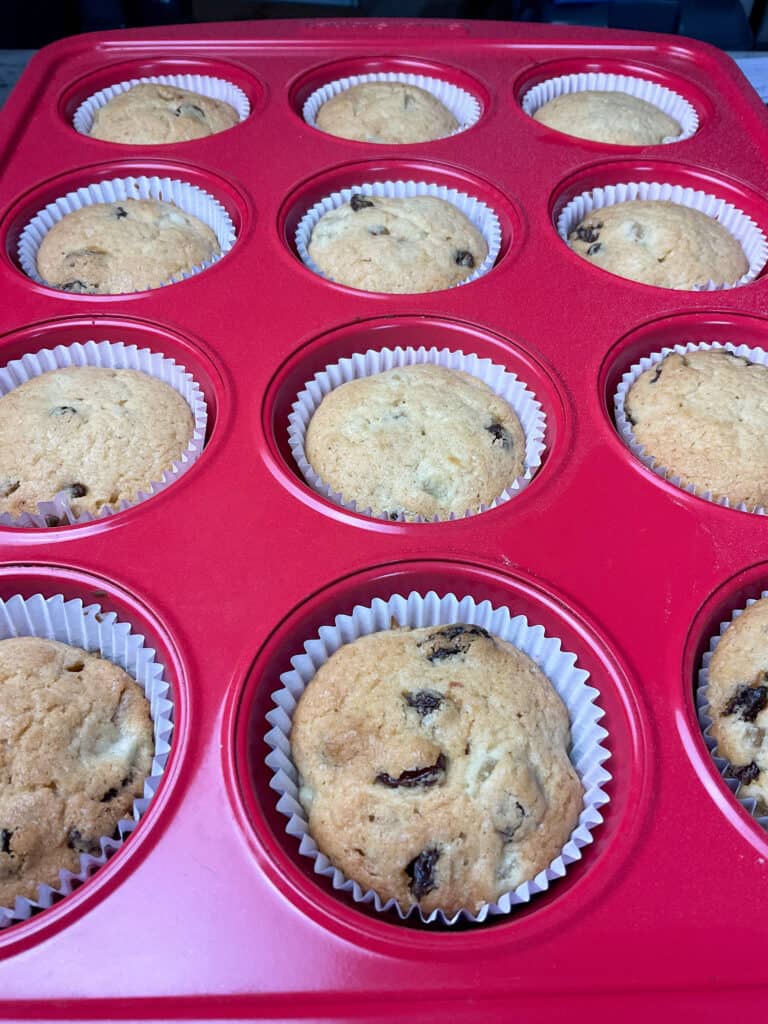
column 75, row 748
column 386, row 112
column 101, row 435
column 113, row 248
column 738, row 700
column 414, row 244
column 416, row 441
column 151, row 113
column 434, row 766
column 704, row 417
column 660, row 243
column 613, row 117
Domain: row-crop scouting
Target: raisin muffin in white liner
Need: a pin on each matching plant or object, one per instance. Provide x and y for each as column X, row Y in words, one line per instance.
column 190, row 199
column 739, row 710
column 585, row 208
column 668, row 102
column 202, row 85
column 60, row 510
column 87, row 629
column 501, row 382
column 722, row 439
column 362, row 197
column 464, row 108
column 415, row 611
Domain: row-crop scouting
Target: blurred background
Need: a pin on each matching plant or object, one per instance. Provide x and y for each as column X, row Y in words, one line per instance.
column 730, row 24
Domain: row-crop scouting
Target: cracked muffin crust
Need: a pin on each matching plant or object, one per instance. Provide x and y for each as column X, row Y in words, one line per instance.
column 704, row 417
column 661, row 243
column 414, row 244
column 151, row 113
column 613, row 117
column 738, row 699
column 418, row 440
column 434, row 766
column 114, row 248
column 75, row 748
column 102, row 435
column 391, row 112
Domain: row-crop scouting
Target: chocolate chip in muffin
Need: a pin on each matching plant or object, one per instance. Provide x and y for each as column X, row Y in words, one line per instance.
column 190, row 110
column 421, row 871
column 593, row 250
column 430, row 775
column 451, row 640
column 120, row 212
column 63, row 410
column 7, row 487
column 54, row 521
column 358, row 202
column 378, row 229
column 77, row 841
column 656, row 375
column 424, row 701
column 515, row 820
column 77, row 490
column 464, row 258
column 498, row 433
column 588, row 232
column 746, row 773
column 5, row 840
column 75, row 286
column 748, row 701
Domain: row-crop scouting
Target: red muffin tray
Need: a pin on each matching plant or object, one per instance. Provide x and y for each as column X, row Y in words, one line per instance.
column 208, row 910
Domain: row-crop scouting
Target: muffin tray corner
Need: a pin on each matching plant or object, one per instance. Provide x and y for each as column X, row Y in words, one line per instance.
column 227, row 572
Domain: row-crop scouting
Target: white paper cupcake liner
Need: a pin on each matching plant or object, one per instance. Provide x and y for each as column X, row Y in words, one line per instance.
column 666, row 100
column 86, row 626
column 705, row 721
column 478, row 213
column 464, row 107
column 190, row 198
column 203, row 85
column 624, row 427
column 499, row 380
column 113, row 356
column 587, row 751
column 743, row 228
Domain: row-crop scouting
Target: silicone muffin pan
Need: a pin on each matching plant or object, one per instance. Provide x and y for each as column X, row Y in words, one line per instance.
column 210, row 909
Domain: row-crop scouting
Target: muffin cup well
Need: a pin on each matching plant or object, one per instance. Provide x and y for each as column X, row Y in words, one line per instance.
column 666, row 100
column 203, row 85
column 477, row 212
column 86, row 626
column 414, row 610
column 464, row 107
column 116, row 356
column 499, row 380
column 624, row 427
column 705, row 719
column 189, row 198
column 749, row 236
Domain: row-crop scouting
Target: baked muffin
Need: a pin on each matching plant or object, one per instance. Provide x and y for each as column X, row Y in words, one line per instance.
column 738, row 699
column 150, row 113
column 660, row 243
column 113, row 248
column 419, row 440
column 75, row 748
column 386, row 112
column 416, row 244
column 704, row 417
column 614, row 117
column 102, row 435
column 434, row 766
